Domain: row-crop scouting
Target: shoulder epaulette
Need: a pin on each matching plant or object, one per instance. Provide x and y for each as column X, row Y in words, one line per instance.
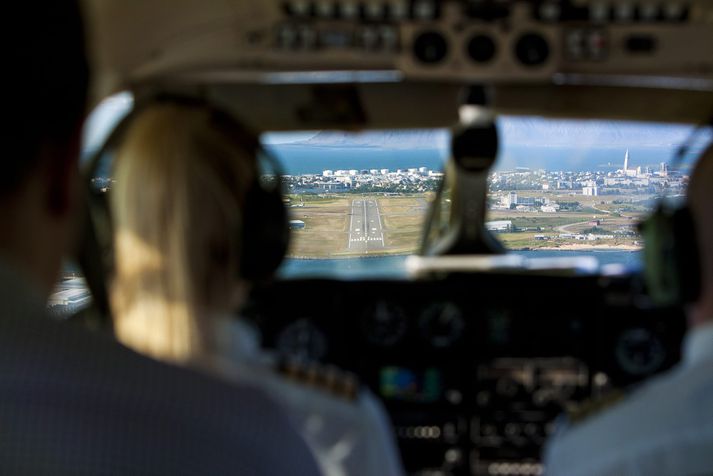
column 327, row 378
column 589, row 408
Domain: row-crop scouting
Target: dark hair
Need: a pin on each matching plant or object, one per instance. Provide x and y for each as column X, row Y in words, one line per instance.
column 44, row 82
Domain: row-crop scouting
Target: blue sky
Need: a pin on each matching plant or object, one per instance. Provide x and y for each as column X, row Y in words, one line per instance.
column 540, row 132
column 516, row 133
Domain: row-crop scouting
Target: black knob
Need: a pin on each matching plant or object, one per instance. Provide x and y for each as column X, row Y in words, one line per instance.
column 430, row 47
column 532, row 49
column 475, row 148
column 481, row 48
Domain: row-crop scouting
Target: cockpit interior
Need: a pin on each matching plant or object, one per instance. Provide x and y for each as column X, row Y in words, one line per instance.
column 479, row 280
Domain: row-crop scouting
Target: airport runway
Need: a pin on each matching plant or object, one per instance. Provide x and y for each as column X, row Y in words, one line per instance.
column 365, row 228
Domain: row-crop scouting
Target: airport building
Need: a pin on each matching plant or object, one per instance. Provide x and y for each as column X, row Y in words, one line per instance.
column 499, row 225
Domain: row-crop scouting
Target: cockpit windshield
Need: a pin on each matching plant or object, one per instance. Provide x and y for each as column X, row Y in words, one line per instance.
column 559, row 188
column 358, row 201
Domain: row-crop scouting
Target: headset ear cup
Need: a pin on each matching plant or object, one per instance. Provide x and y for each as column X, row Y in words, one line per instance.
column 687, row 255
column 656, row 272
column 671, row 257
column 264, row 235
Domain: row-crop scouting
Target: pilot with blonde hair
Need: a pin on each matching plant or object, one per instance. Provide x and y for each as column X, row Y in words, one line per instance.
column 181, row 185
column 73, row 401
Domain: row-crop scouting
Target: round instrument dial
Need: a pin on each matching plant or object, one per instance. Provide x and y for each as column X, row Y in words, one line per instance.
column 639, row 351
column 384, row 324
column 442, row 324
column 430, row 47
column 302, row 339
column 532, row 49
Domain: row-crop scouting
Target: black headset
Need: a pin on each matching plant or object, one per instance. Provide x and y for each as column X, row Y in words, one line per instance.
column 264, row 230
column 672, row 269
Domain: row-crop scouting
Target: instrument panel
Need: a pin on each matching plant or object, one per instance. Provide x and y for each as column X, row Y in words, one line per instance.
column 474, row 370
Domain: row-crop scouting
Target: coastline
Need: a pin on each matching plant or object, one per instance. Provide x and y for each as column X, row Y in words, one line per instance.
column 566, row 247
column 578, row 247
column 349, row 256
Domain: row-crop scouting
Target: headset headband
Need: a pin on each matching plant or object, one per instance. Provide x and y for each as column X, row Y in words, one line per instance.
column 222, row 120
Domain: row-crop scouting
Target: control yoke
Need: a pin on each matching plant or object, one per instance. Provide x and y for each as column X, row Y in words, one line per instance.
column 456, row 222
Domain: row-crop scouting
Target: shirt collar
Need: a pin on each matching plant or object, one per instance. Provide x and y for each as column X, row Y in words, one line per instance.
column 698, row 345
column 237, row 338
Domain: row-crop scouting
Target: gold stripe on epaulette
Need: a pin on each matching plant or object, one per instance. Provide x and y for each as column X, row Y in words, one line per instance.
column 590, row 408
column 326, row 378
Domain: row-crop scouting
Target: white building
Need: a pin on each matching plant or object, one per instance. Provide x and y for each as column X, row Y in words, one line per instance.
column 499, row 225
column 69, row 297
column 336, row 186
column 627, row 171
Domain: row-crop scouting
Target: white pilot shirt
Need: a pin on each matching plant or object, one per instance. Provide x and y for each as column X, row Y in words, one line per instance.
column 663, row 428
column 347, row 437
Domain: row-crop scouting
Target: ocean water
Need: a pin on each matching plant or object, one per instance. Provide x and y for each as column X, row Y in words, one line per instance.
column 393, row 267
column 581, row 159
column 298, row 160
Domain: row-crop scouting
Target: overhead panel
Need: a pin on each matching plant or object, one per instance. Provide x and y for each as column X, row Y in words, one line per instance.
column 506, row 45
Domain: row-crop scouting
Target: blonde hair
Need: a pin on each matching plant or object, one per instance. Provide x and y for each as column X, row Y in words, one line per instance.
column 180, row 188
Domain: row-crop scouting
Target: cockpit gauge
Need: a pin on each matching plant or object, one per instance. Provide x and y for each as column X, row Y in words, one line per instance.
column 639, row 351
column 442, row 324
column 481, row 48
column 384, row 323
column 430, row 47
column 302, row 339
column 532, row 49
